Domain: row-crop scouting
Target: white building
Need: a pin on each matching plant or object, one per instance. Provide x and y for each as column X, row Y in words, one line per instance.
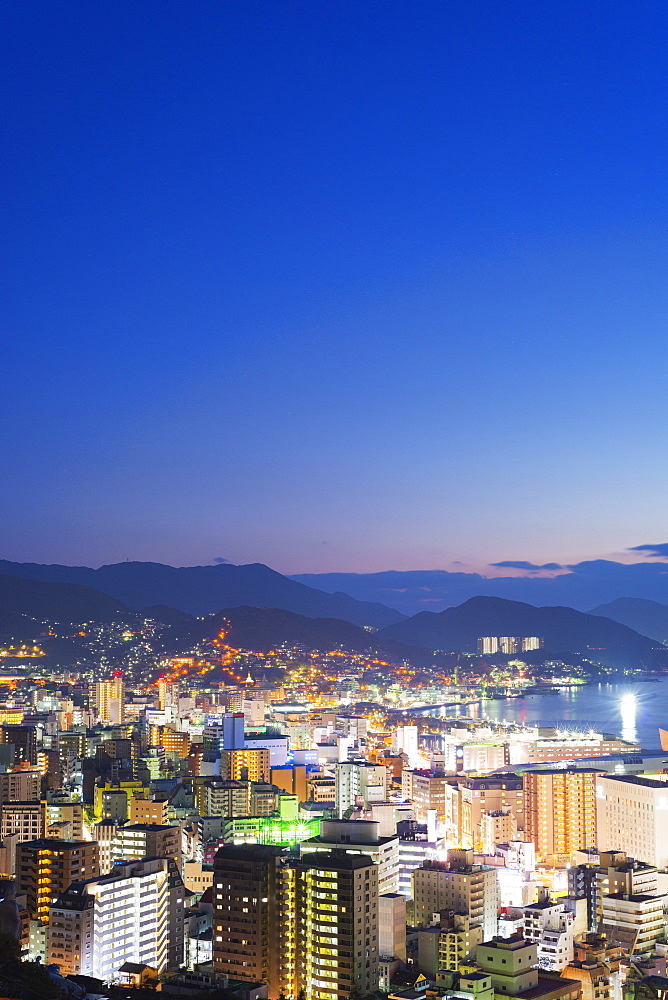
column 550, row 926
column 359, row 783
column 633, row 811
column 133, row 915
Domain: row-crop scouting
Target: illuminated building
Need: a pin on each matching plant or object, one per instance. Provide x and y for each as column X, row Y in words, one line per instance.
column 26, row 819
column 291, row 779
column 46, row 867
column 405, row 740
column 633, row 811
column 108, row 699
column 134, row 915
column 148, row 811
column 560, row 812
column 447, row 945
column 457, row 885
column 508, row 645
column 335, row 946
column 246, row 912
column 245, row 765
column 22, row 786
column 359, row 783
column 172, row 742
column 360, row 837
column 511, row 964
column 310, row 924
column 59, row 813
column 550, row 926
column 216, row 797
column 146, row 840
column 24, row 741
column 633, row 920
column 491, row 793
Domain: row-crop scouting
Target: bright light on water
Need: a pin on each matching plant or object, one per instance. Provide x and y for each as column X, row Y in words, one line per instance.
column 628, row 706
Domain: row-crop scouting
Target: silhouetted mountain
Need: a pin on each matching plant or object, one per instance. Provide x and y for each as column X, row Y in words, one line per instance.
column 563, row 629
column 648, row 617
column 579, row 586
column 58, row 602
column 200, row 590
column 262, row 629
column 167, row 616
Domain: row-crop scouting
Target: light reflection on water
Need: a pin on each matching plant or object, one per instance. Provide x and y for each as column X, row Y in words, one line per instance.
column 634, row 710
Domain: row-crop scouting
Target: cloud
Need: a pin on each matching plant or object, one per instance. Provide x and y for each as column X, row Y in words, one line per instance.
column 220, row 560
column 521, row 564
column 660, row 551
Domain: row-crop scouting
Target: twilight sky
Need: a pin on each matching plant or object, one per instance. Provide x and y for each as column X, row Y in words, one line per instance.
column 334, row 285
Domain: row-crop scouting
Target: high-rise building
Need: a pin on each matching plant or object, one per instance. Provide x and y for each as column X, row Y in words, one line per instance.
column 108, row 699
column 486, row 794
column 245, row 765
column 46, row 867
column 359, row 783
column 633, row 811
column 20, row 786
column 335, row 945
column 360, row 837
column 247, row 914
column 135, row 914
column 460, row 886
column 24, row 741
column 560, row 811
column 307, row 925
column 146, row 840
column 23, row 818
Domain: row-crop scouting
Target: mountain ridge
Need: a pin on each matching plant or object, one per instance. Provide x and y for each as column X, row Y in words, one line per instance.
column 565, row 631
column 200, row 590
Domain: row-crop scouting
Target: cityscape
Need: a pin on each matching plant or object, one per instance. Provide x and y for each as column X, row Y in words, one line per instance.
column 333, row 601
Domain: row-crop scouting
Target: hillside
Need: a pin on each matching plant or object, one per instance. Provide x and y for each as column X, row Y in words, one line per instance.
column 648, row 617
column 59, row 602
column 563, row 629
column 262, row 629
column 201, row 590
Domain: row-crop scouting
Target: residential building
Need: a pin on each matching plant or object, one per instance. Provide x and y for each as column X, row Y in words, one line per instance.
column 46, row 867
column 633, row 811
column 135, row 915
column 360, row 837
column 560, row 812
column 457, row 885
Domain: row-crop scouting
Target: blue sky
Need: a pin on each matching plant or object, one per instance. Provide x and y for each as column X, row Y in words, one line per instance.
column 334, row 286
